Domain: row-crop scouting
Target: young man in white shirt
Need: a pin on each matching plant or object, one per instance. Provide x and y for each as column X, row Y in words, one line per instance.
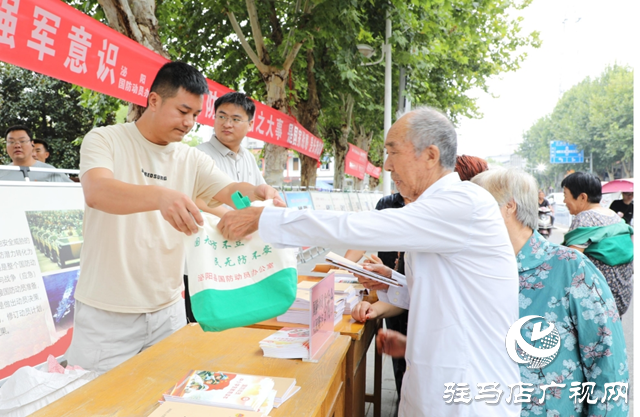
column 139, row 185
column 462, row 276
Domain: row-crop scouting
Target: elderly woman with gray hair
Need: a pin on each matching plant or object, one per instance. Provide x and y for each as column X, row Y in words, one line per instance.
column 563, row 286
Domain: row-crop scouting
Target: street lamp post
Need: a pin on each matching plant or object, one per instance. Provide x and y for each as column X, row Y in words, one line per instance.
column 367, row 52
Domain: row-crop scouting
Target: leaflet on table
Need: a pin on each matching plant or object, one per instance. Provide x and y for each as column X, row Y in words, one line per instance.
column 357, row 269
column 222, row 389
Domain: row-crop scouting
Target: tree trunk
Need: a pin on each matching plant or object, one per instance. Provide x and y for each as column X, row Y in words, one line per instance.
column 341, row 142
column 136, row 19
column 373, row 183
column 275, row 157
column 363, row 141
column 308, row 113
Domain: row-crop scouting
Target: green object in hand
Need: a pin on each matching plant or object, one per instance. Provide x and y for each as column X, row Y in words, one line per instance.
column 240, row 201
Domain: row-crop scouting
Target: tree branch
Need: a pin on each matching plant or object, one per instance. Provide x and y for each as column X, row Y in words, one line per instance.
column 292, row 56
column 247, row 48
column 255, row 28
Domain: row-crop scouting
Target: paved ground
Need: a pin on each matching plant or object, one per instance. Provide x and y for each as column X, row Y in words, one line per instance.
column 389, row 395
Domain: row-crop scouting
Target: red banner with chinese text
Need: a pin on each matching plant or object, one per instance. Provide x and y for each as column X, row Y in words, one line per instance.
column 355, row 162
column 53, row 38
column 373, row 170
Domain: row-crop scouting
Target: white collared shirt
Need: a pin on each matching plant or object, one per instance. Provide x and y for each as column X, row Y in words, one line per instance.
column 241, row 166
column 462, row 278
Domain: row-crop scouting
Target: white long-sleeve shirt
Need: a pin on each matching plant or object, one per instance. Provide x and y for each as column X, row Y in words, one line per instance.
column 462, row 281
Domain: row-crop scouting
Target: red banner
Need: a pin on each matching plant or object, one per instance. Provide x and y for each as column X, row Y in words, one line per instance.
column 53, row 38
column 373, row 170
column 355, row 162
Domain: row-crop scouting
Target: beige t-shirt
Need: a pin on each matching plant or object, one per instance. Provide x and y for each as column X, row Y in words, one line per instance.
column 133, row 263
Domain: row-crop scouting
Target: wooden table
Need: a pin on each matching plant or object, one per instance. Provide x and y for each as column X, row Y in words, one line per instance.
column 361, row 335
column 134, row 388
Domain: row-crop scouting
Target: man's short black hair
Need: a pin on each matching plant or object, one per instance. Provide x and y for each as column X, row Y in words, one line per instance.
column 239, row 99
column 583, row 182
column 43, row 143
column 18, row 127
column 174, row 75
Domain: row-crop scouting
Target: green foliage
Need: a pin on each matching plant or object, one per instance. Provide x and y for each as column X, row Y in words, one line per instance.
column 596, row 115
column 51, row 109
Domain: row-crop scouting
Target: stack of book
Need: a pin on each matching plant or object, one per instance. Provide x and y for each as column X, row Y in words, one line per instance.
column 287, row 343
column 225, row 390
column 299, row 310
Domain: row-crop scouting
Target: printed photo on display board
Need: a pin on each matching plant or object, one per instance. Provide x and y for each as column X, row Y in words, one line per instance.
column 61, row 288
column 57, row 236
column 40, row 245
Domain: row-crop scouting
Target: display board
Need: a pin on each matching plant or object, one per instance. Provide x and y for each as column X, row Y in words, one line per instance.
column 299, row 199
column 355, row 201
column 321, row 201
column 40, row 244
column 340, row 202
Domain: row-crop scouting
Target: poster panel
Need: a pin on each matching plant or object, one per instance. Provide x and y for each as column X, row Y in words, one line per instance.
column 40, row 245
column 355, row 201
column 321, row 200
column 299, row 199
column 340, row 202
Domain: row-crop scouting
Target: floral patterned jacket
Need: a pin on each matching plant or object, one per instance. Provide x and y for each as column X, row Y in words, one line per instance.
column 564, row 287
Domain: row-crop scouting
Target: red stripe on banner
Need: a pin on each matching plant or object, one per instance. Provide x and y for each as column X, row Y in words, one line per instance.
column 57, row 349
column 52, row 38
column 355, row 162
column 373, row 170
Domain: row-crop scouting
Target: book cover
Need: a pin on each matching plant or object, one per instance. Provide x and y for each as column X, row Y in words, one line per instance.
column 222, row 389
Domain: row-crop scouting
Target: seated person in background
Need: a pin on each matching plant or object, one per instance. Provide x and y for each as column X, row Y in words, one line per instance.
column 396, row 318
column 563, row 286
column 40, row 150
column 20, row 150
column 601, row 234
column 624, row 207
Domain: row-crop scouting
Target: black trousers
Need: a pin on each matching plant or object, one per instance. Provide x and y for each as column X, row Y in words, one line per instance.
column 399, row 324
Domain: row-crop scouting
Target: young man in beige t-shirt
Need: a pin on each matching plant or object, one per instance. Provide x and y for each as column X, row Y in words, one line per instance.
column 140, row 185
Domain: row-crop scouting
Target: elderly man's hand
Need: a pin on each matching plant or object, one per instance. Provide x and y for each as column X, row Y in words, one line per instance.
column 237, row 224
column 267, row 192
column 378, row 269
column 391, row 342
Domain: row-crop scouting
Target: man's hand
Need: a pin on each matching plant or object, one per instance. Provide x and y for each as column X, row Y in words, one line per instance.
column 267, row 192
column 391, row 342
column 177, row 209
column 363, row 311
column 237, row 224
column 378, row 269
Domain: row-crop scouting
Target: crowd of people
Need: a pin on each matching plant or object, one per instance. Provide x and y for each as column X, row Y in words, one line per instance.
column 461, row 238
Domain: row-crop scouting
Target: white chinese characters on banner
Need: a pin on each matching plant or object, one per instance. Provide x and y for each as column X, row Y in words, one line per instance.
column 80, row 44
column 259, row 125
column 43, row 21
column 108, row 57
column 8, row 21
column 270, row 122
column 279, row 123
column 211, row 101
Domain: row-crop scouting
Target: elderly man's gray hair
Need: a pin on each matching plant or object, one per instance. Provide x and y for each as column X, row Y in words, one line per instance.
column 428, row 126
column 512, row 184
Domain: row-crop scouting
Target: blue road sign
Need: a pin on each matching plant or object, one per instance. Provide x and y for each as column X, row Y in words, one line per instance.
column 565, row 153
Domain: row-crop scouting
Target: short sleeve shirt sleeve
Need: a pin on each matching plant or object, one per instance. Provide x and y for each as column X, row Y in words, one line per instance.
column 96, row 152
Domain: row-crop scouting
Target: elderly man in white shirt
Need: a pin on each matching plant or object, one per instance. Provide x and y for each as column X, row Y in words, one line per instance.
column 234, row 118
column 462, row 276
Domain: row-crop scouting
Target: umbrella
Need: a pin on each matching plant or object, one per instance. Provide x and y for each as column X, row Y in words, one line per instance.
column 617, row 186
